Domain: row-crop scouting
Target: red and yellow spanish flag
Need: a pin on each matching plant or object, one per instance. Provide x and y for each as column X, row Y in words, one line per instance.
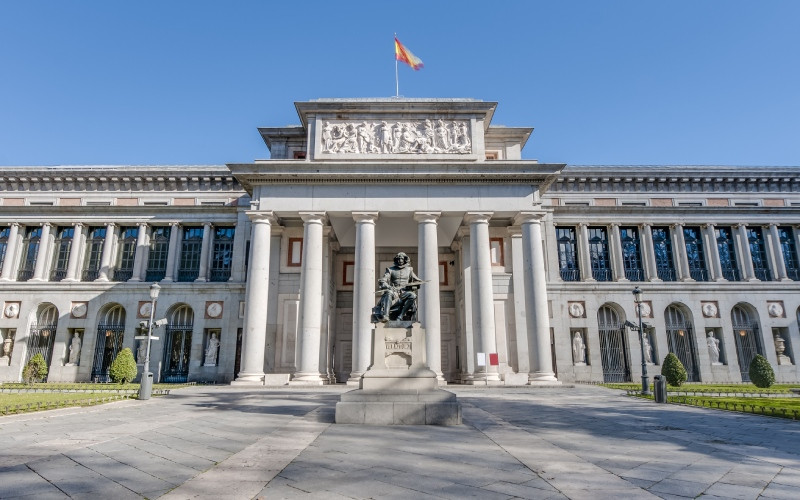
column 404, row 55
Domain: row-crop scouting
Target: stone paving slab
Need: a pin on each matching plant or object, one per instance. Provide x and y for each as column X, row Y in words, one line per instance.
column 541, row 443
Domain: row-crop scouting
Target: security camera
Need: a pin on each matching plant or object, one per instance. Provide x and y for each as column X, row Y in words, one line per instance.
column 160, row 322
column 647, row 326
column 631, row 325
column 143, row 324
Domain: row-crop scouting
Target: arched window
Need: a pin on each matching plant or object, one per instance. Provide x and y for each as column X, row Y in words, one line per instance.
column 42, row 333
column 680, row 339
column 746, row 333
column 110, row 333
column 613, row 348
column 177, row 344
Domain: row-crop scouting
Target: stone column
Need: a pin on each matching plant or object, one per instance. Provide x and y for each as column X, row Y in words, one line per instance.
column 679, row 252
column 363, row 292
column 712, row 252
column 584, row 255
column 141, row 250
column 11, row 252
column 74, row 253
column 617, row 261
column 469, row 336
column 648, row 253
column 537, row 314
column 255, row 312
column 744, row 257
column 40, row 268
column 174, row 252
column 308, row 338
column 482, row 288
column 429, row 307
column 205, row 249
column 518, row 282
column 108, row 250
column 779, row 266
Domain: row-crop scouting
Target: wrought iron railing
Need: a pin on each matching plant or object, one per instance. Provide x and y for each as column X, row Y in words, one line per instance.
column 24, row 274
column 571, row 274
column 219, row 275
column 123, row 274
column 91, row 274
column 155, row 275
column 602, row 274
column 793, row 273
column 699, row 274
column 634, row 274
column 58, row 274
column 763, row 274
column 666, row 274
column 188, row 274
column 731, row 274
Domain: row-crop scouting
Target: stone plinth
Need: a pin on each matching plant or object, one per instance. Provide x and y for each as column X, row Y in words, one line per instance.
column 398, row 389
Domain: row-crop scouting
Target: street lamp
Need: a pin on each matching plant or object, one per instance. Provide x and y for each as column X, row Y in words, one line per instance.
column 637, row 298
column 146, row 384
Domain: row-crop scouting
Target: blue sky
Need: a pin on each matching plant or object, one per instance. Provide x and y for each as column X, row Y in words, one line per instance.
column 603, row 82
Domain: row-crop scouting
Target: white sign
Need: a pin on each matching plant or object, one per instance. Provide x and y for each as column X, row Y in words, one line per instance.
column 481, row 359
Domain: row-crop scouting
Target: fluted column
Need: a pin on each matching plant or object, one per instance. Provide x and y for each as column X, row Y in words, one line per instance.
column 308, row 338
column 174, row 252
column 139, row 256
column 363, row 292
column 615, row 244
column 41, row 256
column 649, row 253
column 712, row 252
column 255, row 312
column 205, row 248
column 74, row 253
column 11, row 252
column 429, row 307
column 745, row 257
column 482, row 290
column 537, row 314
column 777, row 253
column 584, row 255
column 108, row 250
column 679, row 252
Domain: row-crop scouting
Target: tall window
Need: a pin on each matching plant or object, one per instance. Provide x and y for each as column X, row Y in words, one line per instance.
column 127, row 253
column 222, row 254
column 3, row 244
column 61, row 253
column 94, row 253
column 191, row 247
column 788, row 249
column 694, row 253
column 631, row 253
column 758, row 252
column 662, row 247
column 567, row 254
column 727, row 254
column 159, row 252
column 30, row 245
column 598, row 254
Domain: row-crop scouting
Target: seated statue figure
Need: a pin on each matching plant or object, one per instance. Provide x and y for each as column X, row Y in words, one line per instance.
column 398, row 287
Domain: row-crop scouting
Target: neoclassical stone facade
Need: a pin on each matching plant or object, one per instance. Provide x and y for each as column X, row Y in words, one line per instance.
column 268, row 270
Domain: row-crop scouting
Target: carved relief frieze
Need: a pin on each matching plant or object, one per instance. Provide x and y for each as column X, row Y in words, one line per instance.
column 396, row 137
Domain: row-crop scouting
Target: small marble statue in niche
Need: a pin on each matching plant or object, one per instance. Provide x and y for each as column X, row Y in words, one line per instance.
column 212, row 350
column 398, row 288
column 141, row 352
column 713, row 348
column 578, row 349
column 648, row 349
column 75, row 350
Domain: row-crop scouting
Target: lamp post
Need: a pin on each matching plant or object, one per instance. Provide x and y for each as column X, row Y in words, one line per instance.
column 146, row 385
column 637, row 298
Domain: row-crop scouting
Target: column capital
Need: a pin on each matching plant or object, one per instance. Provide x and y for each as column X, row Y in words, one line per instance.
column 514, row 231
column 46, row 224
column 109, row 225
column 423, row 217
column 478, row 217
column 707, row 225
column 313, row 217
column 529, row 218
column 675, row 225
column 142, row 224
column 366, row 217
column 261, row 217
column 77, row 225
column 174, row 224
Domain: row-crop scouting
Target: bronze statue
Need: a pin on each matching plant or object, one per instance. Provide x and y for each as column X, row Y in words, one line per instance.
column 398, row 288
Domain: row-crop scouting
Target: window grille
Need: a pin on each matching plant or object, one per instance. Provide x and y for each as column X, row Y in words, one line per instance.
column 727, row 254
column 159, row 253
column 567, row 254
column 94, row 252
column 631, row 253
column 662, row 247
column 191, row 249
column 789, row 251
column 63, row 244
column 758, row 253
column 598, row 254
column 694, row 253
column 222, row 254
column 127, row 253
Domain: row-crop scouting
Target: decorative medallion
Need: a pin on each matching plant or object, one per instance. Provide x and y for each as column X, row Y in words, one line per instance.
column 78, row 309
column 576, row 309
column 775, row 309
column 710, row 309
column 11, row 309
column 213, row 309
column 396, row 137
column 144, row 309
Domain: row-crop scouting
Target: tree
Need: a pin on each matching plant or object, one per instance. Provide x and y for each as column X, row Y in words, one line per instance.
column 35, row 370
column 123, row 368
column 673, row 370
column 761, row 373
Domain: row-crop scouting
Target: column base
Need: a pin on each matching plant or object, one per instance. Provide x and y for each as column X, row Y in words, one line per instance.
column 307, row 379
column 249, row 379
column 547, row 377
column 200, row 280
column 70, row 280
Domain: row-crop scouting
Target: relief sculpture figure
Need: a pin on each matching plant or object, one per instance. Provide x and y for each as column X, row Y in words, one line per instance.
column 397, row 287
column 399, row 137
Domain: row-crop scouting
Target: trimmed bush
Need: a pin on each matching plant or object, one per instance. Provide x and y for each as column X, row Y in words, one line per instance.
column 123, row 368
column 761, row 373
column 673, row 370
column 35, row 370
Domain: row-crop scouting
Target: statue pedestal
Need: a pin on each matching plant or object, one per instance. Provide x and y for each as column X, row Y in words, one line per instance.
column 398, row 389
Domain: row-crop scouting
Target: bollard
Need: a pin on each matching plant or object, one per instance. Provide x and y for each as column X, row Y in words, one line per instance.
column 660, row 388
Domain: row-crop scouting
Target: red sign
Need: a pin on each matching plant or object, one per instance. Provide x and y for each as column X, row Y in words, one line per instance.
column 493, row 359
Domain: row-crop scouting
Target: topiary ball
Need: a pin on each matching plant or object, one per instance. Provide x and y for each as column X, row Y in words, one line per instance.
column 761, row 373
column 673, row 370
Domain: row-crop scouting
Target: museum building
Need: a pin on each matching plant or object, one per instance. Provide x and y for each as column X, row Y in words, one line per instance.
column 269, row 270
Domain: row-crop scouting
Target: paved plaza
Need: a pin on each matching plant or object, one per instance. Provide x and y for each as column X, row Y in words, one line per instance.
column 224, row 442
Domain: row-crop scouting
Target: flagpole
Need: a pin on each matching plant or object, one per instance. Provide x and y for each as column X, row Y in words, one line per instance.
column 396, row 77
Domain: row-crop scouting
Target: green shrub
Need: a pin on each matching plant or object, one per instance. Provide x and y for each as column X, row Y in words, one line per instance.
column 123, row 368
column 35, row 370
column 673, row 370
column 761, row 373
